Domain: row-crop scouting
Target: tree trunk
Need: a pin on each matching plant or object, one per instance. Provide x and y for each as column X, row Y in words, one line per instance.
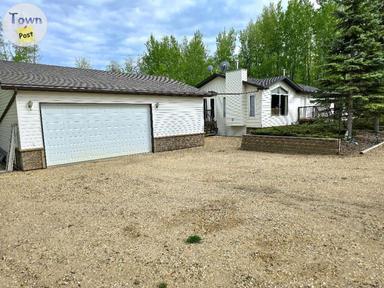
column 350, row 116
column 377, row 123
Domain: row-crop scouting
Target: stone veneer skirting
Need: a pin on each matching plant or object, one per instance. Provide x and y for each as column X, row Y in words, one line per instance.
column 35, row 158
column 170, row 143
column 291, row 145
column 30, row 159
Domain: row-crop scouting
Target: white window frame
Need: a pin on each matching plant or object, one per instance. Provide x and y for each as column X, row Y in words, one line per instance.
column 280, row 92
column 252, row 106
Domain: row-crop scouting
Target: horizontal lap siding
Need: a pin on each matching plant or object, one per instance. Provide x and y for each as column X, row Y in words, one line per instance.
column 235, row 103
column 217, row 85
column 294, row 102
column 253, row 122
column 174, row 116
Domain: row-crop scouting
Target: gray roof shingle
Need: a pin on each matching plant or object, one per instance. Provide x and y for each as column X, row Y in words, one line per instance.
column 265, row 83
column 26, row 76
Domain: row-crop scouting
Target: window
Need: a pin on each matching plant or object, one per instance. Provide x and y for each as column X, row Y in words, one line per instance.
column 279, row 102
column 224, row 107
column 252, row 108
column 213, row 108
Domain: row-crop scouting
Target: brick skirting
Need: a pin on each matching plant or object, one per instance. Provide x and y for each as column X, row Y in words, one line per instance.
column 177, row 142
column 30, row 159
column 291, row 145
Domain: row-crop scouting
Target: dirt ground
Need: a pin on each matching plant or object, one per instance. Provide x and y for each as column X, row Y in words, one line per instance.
column 267, row 220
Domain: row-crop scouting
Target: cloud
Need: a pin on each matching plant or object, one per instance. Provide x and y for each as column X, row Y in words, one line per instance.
column 104, row 30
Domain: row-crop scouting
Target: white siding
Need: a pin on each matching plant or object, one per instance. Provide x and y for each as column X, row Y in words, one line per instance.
column 5, row 127
column 294, row 102
column 253, row 122
column 235, row 103
column 217, row 85
column 174, row 116
column 234, row 122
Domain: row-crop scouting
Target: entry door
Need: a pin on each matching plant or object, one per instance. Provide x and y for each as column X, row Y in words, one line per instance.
column 82, row 132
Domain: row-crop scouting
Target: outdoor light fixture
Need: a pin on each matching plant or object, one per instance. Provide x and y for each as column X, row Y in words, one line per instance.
column 157, row 105
column 30, row 105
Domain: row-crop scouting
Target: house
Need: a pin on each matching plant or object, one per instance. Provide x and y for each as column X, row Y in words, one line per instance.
column 243, row 102
column 65, row 115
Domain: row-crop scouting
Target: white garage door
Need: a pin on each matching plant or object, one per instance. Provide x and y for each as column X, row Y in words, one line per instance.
column 82, row 132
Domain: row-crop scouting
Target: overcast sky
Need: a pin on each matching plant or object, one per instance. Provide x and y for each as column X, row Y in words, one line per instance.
column 104, row 30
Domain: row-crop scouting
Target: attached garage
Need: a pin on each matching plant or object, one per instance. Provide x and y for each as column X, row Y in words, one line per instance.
column 67, row 115
column 82, row 132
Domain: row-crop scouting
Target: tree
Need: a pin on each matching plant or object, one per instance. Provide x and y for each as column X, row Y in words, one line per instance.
column 297, row 29
column 162, row 57
column 324, row 33
column 262, row 44
column 195, row 55
column 185, row 62
column 24, row 54
column 129, row 67
column 83, row 63
column 225, row 48
column 114, row 67
column 3, row 50
column 352, row 67
column 374, row 60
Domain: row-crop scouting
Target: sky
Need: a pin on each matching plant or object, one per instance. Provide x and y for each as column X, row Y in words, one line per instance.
column 105, row 30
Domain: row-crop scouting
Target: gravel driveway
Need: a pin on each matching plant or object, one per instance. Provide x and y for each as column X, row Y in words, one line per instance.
column 267, row 220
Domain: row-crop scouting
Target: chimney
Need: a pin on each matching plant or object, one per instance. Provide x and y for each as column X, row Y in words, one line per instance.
column 234, row 80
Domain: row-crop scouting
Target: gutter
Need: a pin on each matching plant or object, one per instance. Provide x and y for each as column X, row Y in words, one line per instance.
column 9, row 105
column 92, row 90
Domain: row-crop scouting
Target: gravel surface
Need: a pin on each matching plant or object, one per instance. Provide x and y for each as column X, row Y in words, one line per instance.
column 266, row 220
column 363, row 140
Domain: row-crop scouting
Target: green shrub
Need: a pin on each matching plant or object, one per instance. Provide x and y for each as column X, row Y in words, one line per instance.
column 319, row 129
column 364, row 123
column 162, row 285
column 193, row 239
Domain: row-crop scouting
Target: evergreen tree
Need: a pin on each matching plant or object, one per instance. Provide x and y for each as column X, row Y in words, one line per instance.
column 374, row 59
column 350, row 73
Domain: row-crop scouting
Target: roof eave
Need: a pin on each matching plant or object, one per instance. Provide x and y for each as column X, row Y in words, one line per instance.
column 209, row 79
column 86, row 90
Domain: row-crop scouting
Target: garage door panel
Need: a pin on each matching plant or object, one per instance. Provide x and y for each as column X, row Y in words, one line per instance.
column 81, row 132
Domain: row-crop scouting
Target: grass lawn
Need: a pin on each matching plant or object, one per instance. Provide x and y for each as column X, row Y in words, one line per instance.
column 265, row 220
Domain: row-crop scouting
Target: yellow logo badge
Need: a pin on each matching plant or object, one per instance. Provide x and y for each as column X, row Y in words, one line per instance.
column 26, row 35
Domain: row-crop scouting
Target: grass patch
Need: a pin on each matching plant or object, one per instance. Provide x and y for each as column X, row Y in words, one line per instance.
column 316, row 129
column 162, row 285
column 193, row 239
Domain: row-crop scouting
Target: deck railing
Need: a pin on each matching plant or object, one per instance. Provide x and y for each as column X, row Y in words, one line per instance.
column 309, row 113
